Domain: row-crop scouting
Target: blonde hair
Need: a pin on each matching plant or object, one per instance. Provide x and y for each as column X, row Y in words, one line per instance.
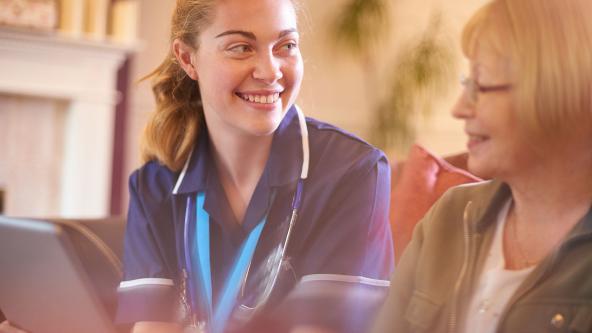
column 549, row 46
column 173, row 128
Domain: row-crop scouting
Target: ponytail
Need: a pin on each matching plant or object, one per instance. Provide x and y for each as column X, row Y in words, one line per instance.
column 172, row 130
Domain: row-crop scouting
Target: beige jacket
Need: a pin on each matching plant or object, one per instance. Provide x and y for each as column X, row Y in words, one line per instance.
column 440, row 266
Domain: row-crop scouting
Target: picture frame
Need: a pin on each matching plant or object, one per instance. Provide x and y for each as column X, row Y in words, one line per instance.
column 30, row 14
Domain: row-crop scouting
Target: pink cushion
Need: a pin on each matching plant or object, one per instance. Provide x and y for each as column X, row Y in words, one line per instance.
column 424, row 179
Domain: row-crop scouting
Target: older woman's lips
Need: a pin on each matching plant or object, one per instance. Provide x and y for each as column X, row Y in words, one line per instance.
column 476, row 140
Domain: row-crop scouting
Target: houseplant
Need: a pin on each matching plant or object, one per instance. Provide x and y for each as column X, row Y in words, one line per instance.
column 417, row 74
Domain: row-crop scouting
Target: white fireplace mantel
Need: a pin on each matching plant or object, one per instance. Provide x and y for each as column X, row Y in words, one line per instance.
column 82, row 74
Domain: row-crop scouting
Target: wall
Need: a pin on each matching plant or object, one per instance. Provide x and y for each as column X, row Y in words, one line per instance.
column 334, row 88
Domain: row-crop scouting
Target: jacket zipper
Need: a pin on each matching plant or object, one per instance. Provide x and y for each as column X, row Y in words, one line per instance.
column 466, row 259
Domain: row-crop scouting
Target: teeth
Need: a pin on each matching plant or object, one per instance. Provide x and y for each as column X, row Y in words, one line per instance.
column 262, row 99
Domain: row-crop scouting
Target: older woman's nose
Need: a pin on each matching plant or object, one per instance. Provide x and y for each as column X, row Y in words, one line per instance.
column 463, row 108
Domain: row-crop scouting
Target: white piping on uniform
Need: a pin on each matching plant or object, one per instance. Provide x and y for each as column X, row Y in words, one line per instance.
column 305, row 148
column 146, row 281
column 345, row 278
column 182, row 175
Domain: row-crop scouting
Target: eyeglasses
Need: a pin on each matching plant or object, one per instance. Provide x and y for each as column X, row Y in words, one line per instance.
column 473, row 88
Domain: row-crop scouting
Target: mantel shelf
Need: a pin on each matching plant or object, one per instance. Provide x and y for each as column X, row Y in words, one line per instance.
column 59, row 39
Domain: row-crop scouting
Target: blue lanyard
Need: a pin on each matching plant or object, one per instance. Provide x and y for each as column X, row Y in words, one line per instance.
column 217, row 316
column 197, row 253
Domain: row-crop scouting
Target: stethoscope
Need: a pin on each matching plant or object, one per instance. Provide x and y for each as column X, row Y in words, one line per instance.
column 197, row 270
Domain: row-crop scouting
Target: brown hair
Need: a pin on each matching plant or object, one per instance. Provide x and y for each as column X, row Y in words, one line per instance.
column 173, row 128
column 549, row 46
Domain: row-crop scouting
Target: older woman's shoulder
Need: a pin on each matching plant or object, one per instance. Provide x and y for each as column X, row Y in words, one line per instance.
column 478, row 192
column 455, row 201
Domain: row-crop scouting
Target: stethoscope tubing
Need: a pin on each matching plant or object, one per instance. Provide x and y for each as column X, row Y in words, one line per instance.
column 296, row 204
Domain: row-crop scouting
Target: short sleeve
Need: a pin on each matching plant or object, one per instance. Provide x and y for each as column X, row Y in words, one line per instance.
column 347, row 265
column 147, row 292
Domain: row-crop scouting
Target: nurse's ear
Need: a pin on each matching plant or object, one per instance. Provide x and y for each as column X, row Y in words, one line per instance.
column 184, row 55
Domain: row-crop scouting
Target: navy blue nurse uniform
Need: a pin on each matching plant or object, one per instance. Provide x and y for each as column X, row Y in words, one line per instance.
column 340, row 253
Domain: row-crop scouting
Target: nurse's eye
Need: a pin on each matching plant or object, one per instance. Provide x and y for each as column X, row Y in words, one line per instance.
column 288, row 48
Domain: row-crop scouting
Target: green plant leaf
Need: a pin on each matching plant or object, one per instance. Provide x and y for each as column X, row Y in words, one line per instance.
column 421, row 69
column 360, row 24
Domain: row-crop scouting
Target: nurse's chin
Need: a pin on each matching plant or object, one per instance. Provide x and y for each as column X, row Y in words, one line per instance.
column 265, row 124
column 262, row 129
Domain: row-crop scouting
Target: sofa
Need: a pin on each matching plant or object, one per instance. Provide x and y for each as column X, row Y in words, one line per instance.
column 417, row 182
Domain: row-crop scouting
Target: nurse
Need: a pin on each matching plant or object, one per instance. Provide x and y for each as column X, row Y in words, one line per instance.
column 247, row 216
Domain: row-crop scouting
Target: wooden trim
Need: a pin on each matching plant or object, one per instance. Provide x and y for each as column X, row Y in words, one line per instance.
column 119, row 142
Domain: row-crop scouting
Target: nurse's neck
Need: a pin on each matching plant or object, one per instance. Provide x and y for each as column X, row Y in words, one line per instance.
column 240, row 161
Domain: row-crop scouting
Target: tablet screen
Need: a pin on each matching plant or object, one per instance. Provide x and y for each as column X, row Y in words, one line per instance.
column 43, row 287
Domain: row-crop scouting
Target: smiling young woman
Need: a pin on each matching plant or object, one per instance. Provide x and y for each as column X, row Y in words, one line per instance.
column 250, row 215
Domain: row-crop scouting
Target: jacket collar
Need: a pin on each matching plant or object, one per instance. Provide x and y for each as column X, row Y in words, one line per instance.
column 485, row 208
column 584, row 226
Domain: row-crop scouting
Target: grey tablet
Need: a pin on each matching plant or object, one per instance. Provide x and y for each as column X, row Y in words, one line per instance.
column 43, row 287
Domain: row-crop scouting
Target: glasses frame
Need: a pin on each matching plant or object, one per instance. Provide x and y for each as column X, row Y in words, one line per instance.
column 473, row 88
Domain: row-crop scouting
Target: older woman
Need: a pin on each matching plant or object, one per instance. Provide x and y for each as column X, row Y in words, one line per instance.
column 512, row 254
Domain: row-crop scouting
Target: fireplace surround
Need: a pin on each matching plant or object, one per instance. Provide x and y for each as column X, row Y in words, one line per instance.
column 57, row 113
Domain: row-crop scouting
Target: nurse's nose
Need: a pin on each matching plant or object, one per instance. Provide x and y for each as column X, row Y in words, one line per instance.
column 268, row 68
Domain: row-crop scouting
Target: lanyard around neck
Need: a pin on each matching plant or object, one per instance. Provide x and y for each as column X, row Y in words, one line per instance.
column 202, row 252
column 217, row 316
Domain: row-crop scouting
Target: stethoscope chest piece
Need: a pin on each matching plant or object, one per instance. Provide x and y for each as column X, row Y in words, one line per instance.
column 197, row 271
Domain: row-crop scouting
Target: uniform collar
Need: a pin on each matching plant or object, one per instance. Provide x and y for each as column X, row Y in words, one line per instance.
column 194, row 176
column 285, row 160
column 282, row 167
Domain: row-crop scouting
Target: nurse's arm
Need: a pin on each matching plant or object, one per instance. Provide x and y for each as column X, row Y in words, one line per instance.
column 156, row 327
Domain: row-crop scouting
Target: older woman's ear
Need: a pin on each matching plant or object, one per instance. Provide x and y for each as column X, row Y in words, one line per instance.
column 184, row 55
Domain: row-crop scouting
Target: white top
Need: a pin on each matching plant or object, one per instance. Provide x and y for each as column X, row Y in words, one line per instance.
column 495, row 286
